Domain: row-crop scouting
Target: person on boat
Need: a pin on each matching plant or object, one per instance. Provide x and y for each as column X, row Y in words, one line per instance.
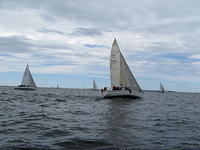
column 114, row 87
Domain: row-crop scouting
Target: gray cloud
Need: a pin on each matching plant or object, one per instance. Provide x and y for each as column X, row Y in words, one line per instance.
column 48, row 17
column 51, row 31
column 87, row 32
column 137, row 15
column 15, row 44
column 22, row 44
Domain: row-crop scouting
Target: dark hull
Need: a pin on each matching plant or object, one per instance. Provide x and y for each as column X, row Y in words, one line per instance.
column 25, row 88
column 120, row 94
column 123, row 96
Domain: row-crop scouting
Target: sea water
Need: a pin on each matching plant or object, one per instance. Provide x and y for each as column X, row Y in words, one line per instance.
column 70, row 119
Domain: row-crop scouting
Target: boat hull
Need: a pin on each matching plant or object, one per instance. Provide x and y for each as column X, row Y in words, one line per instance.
column 121, row 93
column 25, row 88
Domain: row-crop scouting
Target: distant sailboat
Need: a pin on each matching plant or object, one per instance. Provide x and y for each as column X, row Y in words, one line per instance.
column 162, row 90
column 27, row 81
column 94, row 86
column 123, row 82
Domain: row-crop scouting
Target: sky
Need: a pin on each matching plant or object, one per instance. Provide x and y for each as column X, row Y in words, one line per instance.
column 68, row 42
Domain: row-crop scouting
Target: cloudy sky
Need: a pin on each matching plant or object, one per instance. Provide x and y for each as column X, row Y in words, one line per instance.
column 68, row 42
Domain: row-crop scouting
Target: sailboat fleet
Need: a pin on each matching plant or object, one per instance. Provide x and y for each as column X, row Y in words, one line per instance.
column 123, row 83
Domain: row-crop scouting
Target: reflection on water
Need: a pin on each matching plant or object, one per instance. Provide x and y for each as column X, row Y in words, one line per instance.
column 116, row 120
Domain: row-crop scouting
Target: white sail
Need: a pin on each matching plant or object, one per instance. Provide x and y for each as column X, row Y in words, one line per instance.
column 120, row 72
column 94, row 85
column 27, row 79
column 162, row 88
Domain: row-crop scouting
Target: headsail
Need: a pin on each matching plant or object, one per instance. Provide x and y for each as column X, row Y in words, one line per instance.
column 27, row 78
column 120, row 72
column 94, row 85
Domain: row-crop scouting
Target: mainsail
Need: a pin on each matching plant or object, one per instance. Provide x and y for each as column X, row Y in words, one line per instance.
column 162, row 88
column 27, row 79
column 120, row 72
column 94, row 85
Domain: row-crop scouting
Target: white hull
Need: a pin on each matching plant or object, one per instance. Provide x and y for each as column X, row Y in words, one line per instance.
column 25, row 88
column 121, row 93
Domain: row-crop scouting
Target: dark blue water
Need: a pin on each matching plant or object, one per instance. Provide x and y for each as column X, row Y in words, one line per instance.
column 69, row 119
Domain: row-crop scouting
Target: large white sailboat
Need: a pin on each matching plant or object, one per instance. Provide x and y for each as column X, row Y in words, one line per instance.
column 27, row 81
column 123, row 82
column 162, row 90
column 94, row 86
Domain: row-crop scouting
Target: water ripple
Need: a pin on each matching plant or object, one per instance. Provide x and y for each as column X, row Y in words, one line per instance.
column 59, row 119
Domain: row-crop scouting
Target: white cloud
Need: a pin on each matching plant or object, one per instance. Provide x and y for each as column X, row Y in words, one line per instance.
column 195, row 56
column 53, row 35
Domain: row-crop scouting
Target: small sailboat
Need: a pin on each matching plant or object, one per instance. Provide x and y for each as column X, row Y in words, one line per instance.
column 162, row 90
column 94, row 86
column 27, row 81
column 123, row 82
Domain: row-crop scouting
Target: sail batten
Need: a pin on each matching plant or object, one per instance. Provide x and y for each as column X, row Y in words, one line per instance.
column 120, row 72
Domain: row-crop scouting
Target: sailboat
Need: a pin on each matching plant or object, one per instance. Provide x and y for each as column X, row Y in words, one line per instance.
column 123, row 82
column 94, row 86
column 27, row 81
column 162, row 90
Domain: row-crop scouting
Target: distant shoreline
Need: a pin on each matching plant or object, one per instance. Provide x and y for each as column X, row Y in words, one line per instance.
column 91, row 89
